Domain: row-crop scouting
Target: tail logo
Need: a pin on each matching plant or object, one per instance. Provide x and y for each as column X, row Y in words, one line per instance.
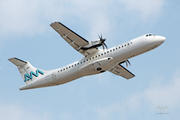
column 28, row 77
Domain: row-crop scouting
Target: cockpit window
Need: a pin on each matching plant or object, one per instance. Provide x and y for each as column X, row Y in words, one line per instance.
column 150, row 35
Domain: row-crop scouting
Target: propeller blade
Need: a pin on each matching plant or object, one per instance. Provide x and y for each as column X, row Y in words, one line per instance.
column 129, row 62
column 126, row 64
column 105, row 45
column 99, row 37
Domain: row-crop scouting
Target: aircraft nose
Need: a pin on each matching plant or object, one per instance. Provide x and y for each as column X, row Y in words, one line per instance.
column 162, row 39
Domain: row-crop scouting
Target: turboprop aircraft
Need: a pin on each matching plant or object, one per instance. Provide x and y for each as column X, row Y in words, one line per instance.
column 95, row 60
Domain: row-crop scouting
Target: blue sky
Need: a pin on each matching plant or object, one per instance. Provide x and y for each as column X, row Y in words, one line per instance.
column 25, row 33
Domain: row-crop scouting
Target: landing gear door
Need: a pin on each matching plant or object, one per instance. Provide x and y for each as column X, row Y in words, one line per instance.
column 53, row 76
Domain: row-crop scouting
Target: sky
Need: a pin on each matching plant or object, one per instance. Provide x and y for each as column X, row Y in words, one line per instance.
column 25, row 33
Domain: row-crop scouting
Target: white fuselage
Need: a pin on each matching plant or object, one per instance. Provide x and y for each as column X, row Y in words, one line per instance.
column 99, row 62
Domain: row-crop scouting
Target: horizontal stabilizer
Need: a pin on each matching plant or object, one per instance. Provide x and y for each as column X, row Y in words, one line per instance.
column 17, row 61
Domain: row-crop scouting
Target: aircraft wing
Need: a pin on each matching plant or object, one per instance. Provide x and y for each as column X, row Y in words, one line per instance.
column 72, row 38
column 121, row 71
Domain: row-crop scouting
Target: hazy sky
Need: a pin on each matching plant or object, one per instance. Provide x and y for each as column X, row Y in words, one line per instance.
column 25, row 33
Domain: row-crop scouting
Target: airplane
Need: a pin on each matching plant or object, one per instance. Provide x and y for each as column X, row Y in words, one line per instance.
column 95, row 60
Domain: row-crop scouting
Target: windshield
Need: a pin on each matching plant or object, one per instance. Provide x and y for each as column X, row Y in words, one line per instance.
column 150, row 35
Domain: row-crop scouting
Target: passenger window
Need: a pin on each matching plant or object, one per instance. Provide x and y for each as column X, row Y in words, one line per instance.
column 61, row 69
column 87, row 60
column 113, row 49
column 93, row 58
column 128, row 43
column 125, row 45
column 110, row 50
column 69, row 66
column 84, row 60
column 107, row 51
column 119, row 47
column 78, row 64
column 64, row 69
column 104, row 52
column 116, row 48
column 96, row 56
column 72, row 65
column 81, row 62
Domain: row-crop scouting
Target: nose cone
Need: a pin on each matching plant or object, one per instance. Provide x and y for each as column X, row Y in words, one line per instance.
column 161, row 39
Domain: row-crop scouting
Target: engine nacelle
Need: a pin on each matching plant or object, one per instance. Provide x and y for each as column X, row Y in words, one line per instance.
column 96, row 67
column 92, row 44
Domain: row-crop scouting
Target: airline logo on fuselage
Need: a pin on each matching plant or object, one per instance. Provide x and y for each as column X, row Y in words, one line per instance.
column 28, row 77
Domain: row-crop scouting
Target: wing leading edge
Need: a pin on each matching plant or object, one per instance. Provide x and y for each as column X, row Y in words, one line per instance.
column 121, row 71
column 75, row 40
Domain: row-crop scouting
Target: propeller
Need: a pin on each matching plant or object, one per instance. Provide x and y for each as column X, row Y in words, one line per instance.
column 127, row 62
column 102, row 42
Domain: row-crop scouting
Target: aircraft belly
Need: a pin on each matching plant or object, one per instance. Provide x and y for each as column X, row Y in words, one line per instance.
column 70, row 76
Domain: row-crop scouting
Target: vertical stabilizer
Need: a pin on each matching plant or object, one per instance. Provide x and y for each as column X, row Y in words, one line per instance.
column 27, row 71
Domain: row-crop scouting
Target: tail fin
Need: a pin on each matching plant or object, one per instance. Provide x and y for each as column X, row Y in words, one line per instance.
column 26, row 70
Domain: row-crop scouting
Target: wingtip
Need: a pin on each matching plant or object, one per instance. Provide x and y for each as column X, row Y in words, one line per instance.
column 11, row 58
column 55, row 23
